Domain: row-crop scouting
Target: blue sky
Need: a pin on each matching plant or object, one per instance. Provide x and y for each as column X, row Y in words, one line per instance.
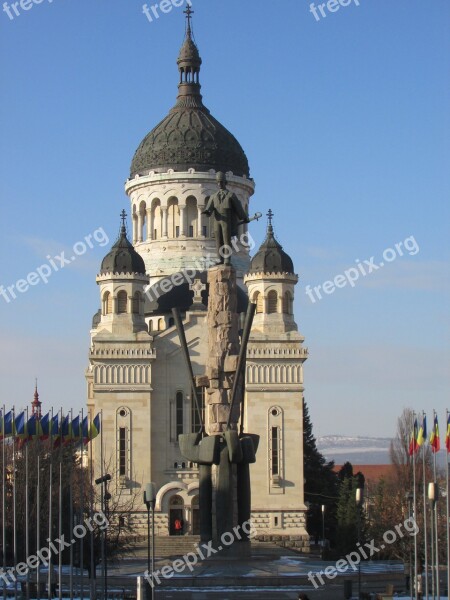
column 345, row 122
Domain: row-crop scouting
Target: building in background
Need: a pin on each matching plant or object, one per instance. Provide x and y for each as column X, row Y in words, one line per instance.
column 136, row 375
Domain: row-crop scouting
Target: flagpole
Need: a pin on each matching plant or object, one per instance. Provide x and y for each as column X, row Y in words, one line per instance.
column 82, row 505
column 447, row 444
column 91, row 494
column 424, row 417
column 436, row 537
column 104, row 559
column 60, row 522
column 415, row 432
column 14, row 500
column 71, row 519
column 4, row 500
column 38, row 516
column 27, row 510
column 50, row 511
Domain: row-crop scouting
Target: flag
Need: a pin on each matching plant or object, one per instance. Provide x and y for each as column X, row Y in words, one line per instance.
column 447, row 437
column 66, row 430
column 435, row 440
column 422, row 436
column 34, row 428
column 76, row 429
column 85, row 430
column 94, row 429
column 45, row 426
column 9, row 422
column 20, row 426
column 413, row 447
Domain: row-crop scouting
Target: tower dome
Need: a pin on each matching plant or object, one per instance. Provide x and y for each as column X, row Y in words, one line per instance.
column 190, row 137
column 123, row 258
column 271, row 258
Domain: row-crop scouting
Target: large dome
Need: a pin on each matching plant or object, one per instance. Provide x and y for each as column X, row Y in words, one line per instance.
column 190, row 137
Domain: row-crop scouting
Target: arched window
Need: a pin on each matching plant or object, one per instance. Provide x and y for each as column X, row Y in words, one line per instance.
column 287, row 303
column 122, row 299
column 171, row 322
column 150, row 326
column 259, row 301
column 136, row 303
column 161, row 325
column 272, row 301
column 107, row 303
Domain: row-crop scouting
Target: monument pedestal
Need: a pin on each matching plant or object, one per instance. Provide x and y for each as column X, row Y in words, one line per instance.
column 223, row 455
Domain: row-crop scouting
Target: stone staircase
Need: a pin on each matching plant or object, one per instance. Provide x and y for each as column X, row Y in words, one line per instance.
column 167, row 546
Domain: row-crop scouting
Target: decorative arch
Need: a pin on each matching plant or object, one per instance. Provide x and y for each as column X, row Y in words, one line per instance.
column 107, row 303
column 272, row 302
column 137, row 303
column 122, row 300
column 258, row 299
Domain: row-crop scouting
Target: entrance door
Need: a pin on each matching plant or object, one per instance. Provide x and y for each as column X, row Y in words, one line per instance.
column 176, row 513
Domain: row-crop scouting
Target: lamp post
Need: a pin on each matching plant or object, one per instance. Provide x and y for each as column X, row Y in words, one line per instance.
column 323, row 531
column 410, row 499
column 433, row 496
column 105, row 497
column 149, row 501
column 359, row 500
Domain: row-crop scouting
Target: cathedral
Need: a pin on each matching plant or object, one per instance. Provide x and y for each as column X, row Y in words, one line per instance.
column 137, row 377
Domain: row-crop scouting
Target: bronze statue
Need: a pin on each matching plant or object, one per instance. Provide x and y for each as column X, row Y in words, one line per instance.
column 228, row 215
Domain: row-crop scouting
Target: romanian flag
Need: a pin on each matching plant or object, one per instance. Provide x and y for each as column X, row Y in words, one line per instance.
column 85, row 430
column 9, row 424
column 20, row 426
column 76, row 429
column 94, row 429
column 66, row 431
column 34, row 428
column 413, row 447
column 435, row 440
column 447, row 437
column 422, row 436
column 45, row 427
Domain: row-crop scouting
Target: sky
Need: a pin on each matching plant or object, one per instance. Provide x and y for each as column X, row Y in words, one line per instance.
column 345, row 121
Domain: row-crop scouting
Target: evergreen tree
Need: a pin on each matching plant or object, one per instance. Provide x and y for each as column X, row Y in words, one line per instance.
column 320, row 484
column 349, row 513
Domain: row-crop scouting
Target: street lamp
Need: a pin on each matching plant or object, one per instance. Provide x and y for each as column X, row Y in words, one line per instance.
column 359, row 496
column 149, row 501
column 410, row 499
column 323, row 530
column 105, row 497
column 433, row 497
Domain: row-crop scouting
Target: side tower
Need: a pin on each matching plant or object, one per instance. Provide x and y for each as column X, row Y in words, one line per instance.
column 119, row 372
column 274, row 405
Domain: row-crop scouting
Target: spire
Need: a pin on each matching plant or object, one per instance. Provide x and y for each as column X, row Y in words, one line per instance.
column 270, row 217
column 189, row 63
column 123, row 229
column 36, row 404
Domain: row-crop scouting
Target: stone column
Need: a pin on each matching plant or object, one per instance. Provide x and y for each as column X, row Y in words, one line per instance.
column 182, row 221
column 149, row 224
column 140, row 226
column 199, row 221
column 165, row 224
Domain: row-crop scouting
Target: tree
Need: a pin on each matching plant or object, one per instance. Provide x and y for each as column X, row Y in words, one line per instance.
column 320, row 484
column 350, row 518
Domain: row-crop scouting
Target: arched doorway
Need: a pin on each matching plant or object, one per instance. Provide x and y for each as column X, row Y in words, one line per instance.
column 195, row 516
column 176, row 513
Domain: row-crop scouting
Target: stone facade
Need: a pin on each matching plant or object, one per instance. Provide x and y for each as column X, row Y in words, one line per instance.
column 136, row 374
